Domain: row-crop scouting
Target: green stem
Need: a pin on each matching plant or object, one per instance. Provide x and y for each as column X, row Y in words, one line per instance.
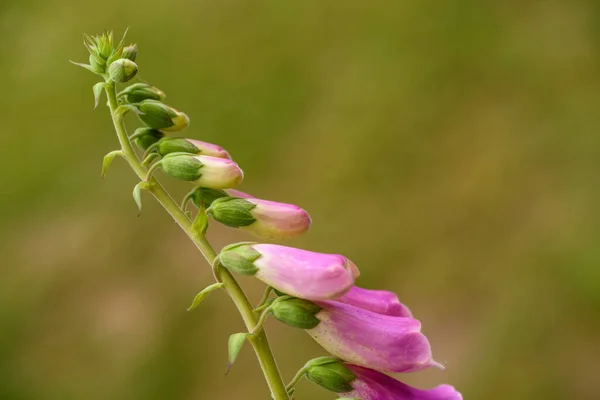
column 264, row 299
column 260, row 341
column 294, row 382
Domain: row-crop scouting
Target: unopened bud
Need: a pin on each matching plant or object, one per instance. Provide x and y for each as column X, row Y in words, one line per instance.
column 298, row 313
column 331, row 374
column 232, row 212
column 146, row 137
column 122, row 70
column 97, row 63
column 181, row 145
column 263, row 218
column 139, row 92
column 160, row 116
column 130, row 52
column 211, row 172
column 205, row 196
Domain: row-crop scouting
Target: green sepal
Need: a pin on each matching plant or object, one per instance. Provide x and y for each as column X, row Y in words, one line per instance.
column 182, row 166
column 232, row 211
column 97, row 63
column 279, row 292
column 330, row 374
column 139, row 92
column 98, row 88
column 203, row 294
column 298, row 313
column 236, row 341
column 86, row 66
column 206, row 196
column 169, row 145
column 125, row 108
column 137, row 193
column 108, row 159
column 239, row 258
column 156, row 114
column 146, row 137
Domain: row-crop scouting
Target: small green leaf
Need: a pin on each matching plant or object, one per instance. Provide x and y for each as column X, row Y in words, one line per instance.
column 200, row 224
column 137, row 193
column 97, row 89
column 86, row 66
column 236, row 341
column 202, row 295
column 108, row 159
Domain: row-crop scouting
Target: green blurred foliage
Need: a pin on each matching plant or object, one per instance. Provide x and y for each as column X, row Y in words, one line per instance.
column 450, row 149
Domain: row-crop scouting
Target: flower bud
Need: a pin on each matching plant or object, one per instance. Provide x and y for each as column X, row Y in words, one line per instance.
column 130, row 52
column 180, row 145
column 139, row 92
column 378, row 301
column 372, row 340
column 373, row 385
column 146, row 137
column 160, row 116
column 331, row 374
column 122, row 70
column 263, row 218
column 239, row 194
column 299, row 273
column 298, row 313
column 97, row 63
column 205, row 196
column 211, row 172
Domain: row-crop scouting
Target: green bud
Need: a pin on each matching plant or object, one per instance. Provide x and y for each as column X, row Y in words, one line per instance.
column 139, row 92
column 122, row 70
column 232, row 211
column 207, row 196
column 130, row 52
column 182, row 166
column 160, row 116
column 331, row 374
column 146, row 137
column 239, row 258
column 105, row 44
column 97, row 63
column 176, row 145
column 298, row 313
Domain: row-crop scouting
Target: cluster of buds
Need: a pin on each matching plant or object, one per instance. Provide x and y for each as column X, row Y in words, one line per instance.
column 114, row 61
column 367, row 332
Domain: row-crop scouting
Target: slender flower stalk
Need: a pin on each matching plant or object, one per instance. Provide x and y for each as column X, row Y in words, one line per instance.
column 258, row 341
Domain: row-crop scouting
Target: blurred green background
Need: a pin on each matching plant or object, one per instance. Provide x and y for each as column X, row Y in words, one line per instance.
column 450, row 149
